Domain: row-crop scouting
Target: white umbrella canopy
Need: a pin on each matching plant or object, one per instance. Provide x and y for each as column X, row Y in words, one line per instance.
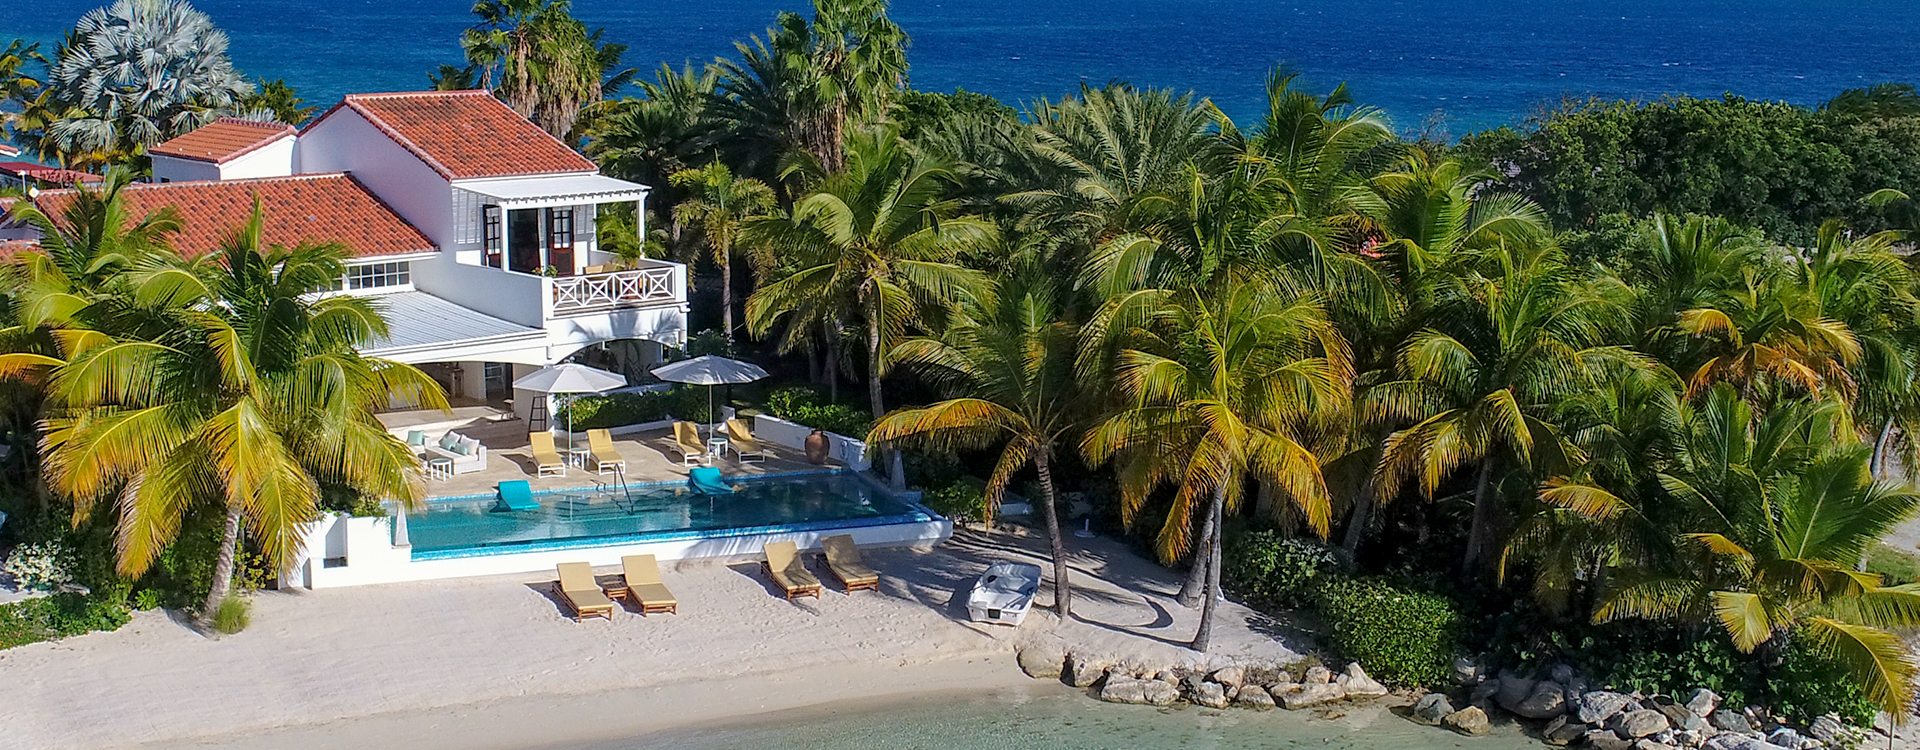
column 710, row 370
column 569, row 377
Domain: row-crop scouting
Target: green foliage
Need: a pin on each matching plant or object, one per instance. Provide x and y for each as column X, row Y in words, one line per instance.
column 1402, row 636
column 806, row 406
column 279, row 98
column 920, row 111
column 234, row 615
column 39, row 566
column 1895, row 566
column 58, row 616
column 963, row 502
column 619, row 409
column 1709, row 662
column 709, row 341
column 146, row 599
column 1267, row 569
column 1807, row 684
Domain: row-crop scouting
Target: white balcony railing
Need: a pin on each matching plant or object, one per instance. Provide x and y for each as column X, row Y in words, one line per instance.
column 600, row 291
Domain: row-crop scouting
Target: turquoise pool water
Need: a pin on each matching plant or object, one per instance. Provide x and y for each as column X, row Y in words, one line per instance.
column 1065, row 720
column 593, row 516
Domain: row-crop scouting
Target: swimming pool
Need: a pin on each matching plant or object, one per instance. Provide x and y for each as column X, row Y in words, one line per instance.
column 609, row 514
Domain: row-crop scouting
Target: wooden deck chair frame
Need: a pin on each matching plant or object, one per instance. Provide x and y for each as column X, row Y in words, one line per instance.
column 843, row 558
column 644, row 589
column 788, row 573
column 581, row 592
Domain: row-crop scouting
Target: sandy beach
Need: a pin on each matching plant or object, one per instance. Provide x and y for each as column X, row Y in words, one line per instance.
column 494, row 662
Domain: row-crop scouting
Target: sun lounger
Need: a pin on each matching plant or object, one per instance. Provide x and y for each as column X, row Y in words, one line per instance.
column 517, row 495
column 606, row 459
column 582, row 593
column 644, row 587
column 686, row 437
column 546, row 460
column 740, row 439
column 783, row 566
column 706, row 480
column 843, row 558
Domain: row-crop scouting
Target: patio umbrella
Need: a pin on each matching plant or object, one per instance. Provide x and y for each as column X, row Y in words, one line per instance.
column 570, row 378
column 709, row 370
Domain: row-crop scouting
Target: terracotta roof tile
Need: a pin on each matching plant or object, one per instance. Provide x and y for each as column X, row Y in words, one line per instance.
column 223, row 140
column 464, row 134
column 320, row 208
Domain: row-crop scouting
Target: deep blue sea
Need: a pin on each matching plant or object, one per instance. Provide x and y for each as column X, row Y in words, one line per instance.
column 1450, row 67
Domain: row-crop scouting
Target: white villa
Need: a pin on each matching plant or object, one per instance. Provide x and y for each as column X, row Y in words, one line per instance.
column 474, row 228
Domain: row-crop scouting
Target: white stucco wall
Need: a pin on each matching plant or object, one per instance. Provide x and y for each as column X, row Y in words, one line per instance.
column 346, row 142
column 175, row 169
column 272, row 160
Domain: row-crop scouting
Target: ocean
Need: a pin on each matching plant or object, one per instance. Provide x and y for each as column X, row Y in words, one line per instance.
column 1442, row 68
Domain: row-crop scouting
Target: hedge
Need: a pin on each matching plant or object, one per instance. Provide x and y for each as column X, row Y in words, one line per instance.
column 1402, row 636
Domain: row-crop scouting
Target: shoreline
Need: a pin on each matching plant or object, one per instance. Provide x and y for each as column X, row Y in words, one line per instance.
column 604, row 716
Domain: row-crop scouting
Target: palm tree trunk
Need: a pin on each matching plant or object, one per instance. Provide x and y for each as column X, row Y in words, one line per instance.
column 896, row 475
column 1203, row 637
column 1190, row 590
column 1362, row 514
column 726, row 294
column 1880, row 446
column 1062, row 590
column 223, row 565
column 1477, row 535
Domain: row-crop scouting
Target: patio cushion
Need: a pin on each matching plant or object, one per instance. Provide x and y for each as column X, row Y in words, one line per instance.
column 460, row 447
column 416, row 438
column 469, row 446
column 450, row 439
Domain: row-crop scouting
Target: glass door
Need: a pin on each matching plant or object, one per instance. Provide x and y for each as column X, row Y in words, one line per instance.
column 523, row 240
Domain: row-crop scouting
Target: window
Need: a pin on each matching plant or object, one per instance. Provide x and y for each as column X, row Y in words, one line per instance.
column 493, row 241
column 467, row 209
column 380, row 275
column 560, row 228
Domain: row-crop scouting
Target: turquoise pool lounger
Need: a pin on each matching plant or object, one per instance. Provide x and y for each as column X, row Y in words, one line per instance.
column 706, row 480
column 517, row 495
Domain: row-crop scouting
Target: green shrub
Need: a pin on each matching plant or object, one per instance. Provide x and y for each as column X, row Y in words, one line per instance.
column 234, row 615
column 621, row 409
column 1894, row 565
column 807, row 407
column 963, row 502
column 1268, row 570
column 1402, row 636
column 58, row 616
column 146, row 599
column 1673, row 668
column 1807, row 684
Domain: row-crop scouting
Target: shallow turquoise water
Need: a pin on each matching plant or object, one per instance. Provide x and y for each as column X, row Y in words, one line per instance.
column 1067, row 720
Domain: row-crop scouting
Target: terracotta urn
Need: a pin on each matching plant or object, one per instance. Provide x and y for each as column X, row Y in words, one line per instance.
column 817, row 447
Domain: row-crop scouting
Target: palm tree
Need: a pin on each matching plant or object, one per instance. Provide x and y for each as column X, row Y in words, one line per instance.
column 243, row 407
column 720, row 204
column 139, row 72
column 1010, row 366
column 1766, row 518
column 650, row 139
column 877, row 238
column 73, row 280
column 548, row 65
column 18, row 84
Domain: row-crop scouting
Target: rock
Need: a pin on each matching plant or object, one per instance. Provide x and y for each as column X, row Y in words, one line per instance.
column 1545, row 702
column 1703, row 702
column 1827, row 729
column 1682, row 717
column 1561, row 673
column 1647, row 744
column 1484, row 691
column 1598, row 706
column 1169, row 676
column 1689, row 738
column 1637, row 724
column 1084, row 672
column 1513, row 690
column 1044, row 660
column 1124, row 689
column 1284, row 676
column 1160, row 693
column 1729, row 721
column 1431, row 708
column 1209, row 694
column 1758, row 717
column 1282, row 688
column 1563, row 730
column 1605, row 739
column 1787, row 738
column 1664, row 737
column 1229, row 676
column 1470, row 720
column 1311, row 695
column 1466, row 672
column 1358, row 685
column 1318, row 675
column 1739, row 742
column 1251, row 696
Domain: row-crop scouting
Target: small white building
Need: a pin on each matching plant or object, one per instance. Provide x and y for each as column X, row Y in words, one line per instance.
column 472, row 228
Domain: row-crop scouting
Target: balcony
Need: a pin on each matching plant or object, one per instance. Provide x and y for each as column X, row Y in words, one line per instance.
column 654, row 283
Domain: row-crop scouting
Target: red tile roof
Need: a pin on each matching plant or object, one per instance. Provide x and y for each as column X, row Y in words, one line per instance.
column 44, row 173
column 320, row 208
column 223, row 140
column 464, row 134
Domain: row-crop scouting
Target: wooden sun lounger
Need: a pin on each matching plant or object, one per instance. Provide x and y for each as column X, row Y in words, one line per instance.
column 843, row 558
column 686, row 437
column 783, row 566
column 545, row 458
column 582, row 593
column 740, row 439
column 644, row 587
column 606, row 459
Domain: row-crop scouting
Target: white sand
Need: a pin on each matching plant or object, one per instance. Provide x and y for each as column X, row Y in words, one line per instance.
column 436, row 657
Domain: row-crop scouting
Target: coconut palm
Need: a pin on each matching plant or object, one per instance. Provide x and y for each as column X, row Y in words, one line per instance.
column 253, row 398
column 73, row 279
column 1770, row 331
column 650, row 139
column 1009, row 366
column 720, row 204
column 1862, row 282
column 541, row 61
column 22, row 67
column 139, row 72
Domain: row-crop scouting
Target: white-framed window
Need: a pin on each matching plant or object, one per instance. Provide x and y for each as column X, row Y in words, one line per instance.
column 467, row 217
column 379, row 275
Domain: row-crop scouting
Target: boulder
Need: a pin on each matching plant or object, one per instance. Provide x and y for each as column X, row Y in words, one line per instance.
column 1561, row 673
column 1689, row 738
column 1681, row 717
column 1597, row 706
column 1484, row 691
column 1209, row 694
column 1084, row 672
column 1044, row 660
column 1431, row 708
column 1159, row 693
column 1229, row 676
column 1121, row 689
column 1758, row 717
column 1466, row 672
column 1563, row 730
column 1318, row 675
column 1284, row 677
column 1251, row 696
column 1637, row 724
column 1470, row 720
column 1545, row 702
column 1605, row 739
column 1787, row 738
column 1311, row 695
column 1513, row 690
column 1738, row 742
column 1357, row 684
column 1703, row 702
column 1282, row 688
column 1827, row 729
column 1650, row 744
column 1727, row 720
